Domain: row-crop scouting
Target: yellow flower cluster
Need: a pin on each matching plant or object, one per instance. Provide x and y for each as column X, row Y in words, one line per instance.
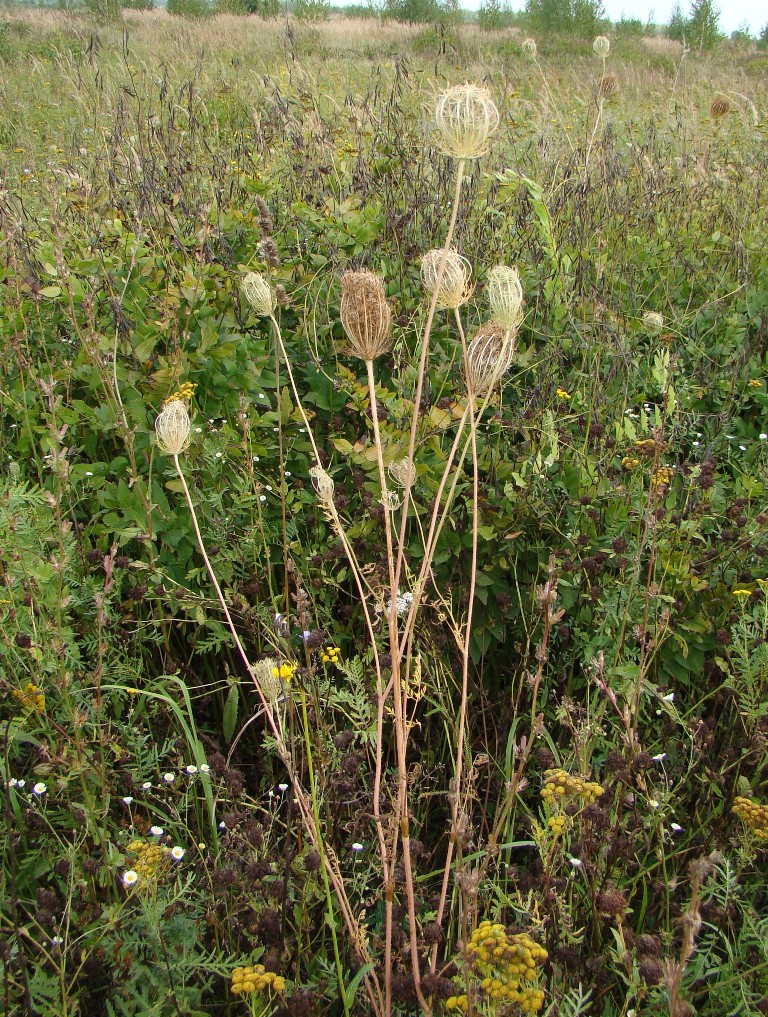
column 255, row 978
column 559, row 785
column 150, row 859
column 628, row 463
column 183, row 393
column 331, row 655
column 285, row 671
column 562, row 393
column 31, row 696
column 662, row 476
column 754, row 816
column 556, row 824
column 755, row 383
column 506, row 968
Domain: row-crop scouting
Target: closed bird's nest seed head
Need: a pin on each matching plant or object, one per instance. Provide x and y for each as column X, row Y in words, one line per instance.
column 608, row 86
column 455, row 287
column 602, row 46
column 489, row 356
column 466, row 117
column 258, row 293
column 365, row 315
column 173, row 428
column 505, row 296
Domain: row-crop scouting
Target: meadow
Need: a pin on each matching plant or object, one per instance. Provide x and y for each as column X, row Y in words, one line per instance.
column 383, row 521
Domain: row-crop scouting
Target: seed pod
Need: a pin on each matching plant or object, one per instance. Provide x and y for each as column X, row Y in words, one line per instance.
column 488, row 357
column 720, row 106
column 529, row 47
column 258, row 293
column 173, row 428
column 455, row 287
column 365, row 315
column 466, row 117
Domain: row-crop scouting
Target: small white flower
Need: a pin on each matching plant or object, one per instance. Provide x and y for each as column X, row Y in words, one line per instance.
column 262, row 396
column 130, row 877
column 191, row 769
column 219, row 455
column 198, row 430
column 146, row 785
column 669, row 698
column 169, row 778
column 127, row 800
column 287, row 473
column 675, row 827
column 743, row 448
column 12, row 782
column 57, row 941
column 88, row 473
column 201, row 846
column 205, row 768
column 282, row 787
column 222, row 825
column 575, row 862
column 177, row 853
column 696, row 444
column 357, row 847
column 653, row 803
column 39, row 788
column 763, row 436
column 156, row 831
column 262, row 497
column 21, row 782
column 659, row 757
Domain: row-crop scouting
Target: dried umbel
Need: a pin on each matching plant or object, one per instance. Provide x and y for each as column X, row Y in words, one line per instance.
column 720, row 106
column 323, row 484
column 608, row 86
column 173, row 428
column 466, row 117
column 653, row 321
column 365, row 315
column 402, row 472
column 455, row 286
column 488, row 357
column 270, row 684
column 258, row 293
column 505, row 296
column 529, row 47
column 602, row 46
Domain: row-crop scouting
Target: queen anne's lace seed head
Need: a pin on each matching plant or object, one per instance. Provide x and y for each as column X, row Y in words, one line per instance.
column 258, row 293
column 505, row 296
column 455, row 286
column 402, row 472
column 391, row 500
column 173, row 428
column 608, row 85
column 529, row 47
column 488, row 357
column 602, row 46
column 365, row 315
column 466, row 117
column 323, row 484
column 653, row 321
column 264, row 675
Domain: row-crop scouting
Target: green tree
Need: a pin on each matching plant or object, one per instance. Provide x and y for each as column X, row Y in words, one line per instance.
column 762, row 39
column 703, row 30
column 678, row 26
column 491, row 17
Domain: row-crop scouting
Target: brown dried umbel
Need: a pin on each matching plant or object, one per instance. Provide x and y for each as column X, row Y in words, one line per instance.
column 365, row 315
column 720, row 106
column 608, row 86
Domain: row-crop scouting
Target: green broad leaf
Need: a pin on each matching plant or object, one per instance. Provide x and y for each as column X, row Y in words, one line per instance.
column 230, row 712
